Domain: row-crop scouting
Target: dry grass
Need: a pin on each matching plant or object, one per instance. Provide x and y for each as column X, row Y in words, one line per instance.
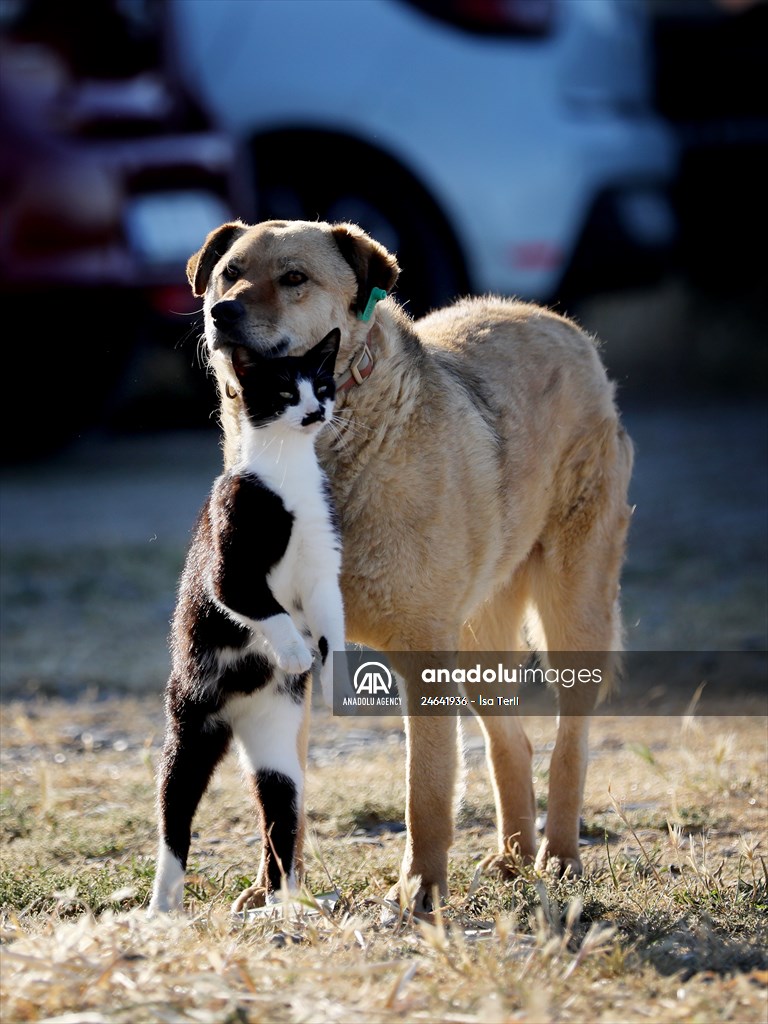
column 668, row 924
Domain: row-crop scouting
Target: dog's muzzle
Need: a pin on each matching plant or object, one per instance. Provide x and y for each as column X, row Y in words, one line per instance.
column 226, row 316
column 229, row 321
column 227, row 313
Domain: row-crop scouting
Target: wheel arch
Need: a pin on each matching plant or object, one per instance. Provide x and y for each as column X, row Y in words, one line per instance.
column 278, row 150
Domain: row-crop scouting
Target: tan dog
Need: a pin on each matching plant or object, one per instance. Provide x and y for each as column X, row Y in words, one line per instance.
column 480, row 471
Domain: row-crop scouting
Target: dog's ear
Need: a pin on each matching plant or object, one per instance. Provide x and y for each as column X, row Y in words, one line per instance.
column 373, row 265
column 200, row 265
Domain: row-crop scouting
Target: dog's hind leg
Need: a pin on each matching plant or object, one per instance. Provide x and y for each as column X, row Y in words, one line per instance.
column 497, row 627
column 575, row 587
column 568, row 765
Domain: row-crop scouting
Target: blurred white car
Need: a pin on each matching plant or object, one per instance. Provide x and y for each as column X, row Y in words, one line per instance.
column 506, row 146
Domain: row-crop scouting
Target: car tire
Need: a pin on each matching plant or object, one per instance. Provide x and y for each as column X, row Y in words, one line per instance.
column 311, row 176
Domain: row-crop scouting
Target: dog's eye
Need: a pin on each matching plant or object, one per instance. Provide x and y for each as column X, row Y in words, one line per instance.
column 230, row 272
column 293, row 278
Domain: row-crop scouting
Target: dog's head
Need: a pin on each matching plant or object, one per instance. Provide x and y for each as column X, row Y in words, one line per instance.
column 278, row 286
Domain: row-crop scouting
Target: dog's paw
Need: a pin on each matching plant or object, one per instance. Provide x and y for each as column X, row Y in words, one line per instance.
column 294, row 658
column 561, row 865
column 565, row 867
column 401, row 906
column 511, row 862
column 252, row 898
column 501, row 865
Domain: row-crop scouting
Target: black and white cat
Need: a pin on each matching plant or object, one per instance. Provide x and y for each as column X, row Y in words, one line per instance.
column 260, row 581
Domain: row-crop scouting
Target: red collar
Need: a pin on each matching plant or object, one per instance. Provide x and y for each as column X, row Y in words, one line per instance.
column 361, row 368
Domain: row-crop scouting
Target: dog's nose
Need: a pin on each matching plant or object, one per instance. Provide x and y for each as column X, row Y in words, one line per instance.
column 227, row 312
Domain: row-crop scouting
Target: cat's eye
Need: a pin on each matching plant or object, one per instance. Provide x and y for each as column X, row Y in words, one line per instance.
column 293, row 278
column 322, row 390
column 286, row 394
column 230, row 272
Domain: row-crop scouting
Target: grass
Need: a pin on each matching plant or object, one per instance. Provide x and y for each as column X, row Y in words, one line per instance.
column 80, row 593
column 668, row 924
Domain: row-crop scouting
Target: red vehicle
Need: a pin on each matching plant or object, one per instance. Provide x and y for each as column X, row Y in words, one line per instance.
column 109, row 177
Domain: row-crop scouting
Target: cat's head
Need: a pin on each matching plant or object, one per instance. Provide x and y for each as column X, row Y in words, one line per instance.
column 296, row 391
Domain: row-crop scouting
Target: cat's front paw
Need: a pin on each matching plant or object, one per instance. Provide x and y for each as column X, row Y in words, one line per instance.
column 294, row 658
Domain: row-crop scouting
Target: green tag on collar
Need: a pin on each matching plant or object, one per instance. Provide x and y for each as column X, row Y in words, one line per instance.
column 377, row 294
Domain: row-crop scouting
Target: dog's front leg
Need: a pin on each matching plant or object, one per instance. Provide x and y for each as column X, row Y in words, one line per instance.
column 432, row 759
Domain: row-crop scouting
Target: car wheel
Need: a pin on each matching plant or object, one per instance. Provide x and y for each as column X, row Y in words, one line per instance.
column 349, row 182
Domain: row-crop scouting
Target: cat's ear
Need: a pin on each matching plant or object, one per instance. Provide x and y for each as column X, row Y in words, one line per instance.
column 324, row 353
column 243, row 360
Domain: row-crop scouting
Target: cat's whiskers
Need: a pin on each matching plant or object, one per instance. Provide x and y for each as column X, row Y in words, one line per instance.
column 285, row 464
column 255, row 447
column 338, row 436
column 269, row 444
column 354, row 426
column 346, row 429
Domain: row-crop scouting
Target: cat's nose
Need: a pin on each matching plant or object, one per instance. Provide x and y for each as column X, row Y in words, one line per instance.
column 313, row 417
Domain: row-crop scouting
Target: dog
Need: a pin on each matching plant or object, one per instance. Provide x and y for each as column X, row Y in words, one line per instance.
column 480, row 472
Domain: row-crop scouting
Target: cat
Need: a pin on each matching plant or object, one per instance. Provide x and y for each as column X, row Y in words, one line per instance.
column 261, row 579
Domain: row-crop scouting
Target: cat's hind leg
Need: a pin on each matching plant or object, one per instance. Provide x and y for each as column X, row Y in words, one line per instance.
column 194, row 745
column 269, row 727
